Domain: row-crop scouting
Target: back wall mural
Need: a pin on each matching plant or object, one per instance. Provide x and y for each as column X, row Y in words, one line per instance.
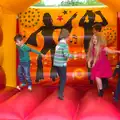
column 41, row 28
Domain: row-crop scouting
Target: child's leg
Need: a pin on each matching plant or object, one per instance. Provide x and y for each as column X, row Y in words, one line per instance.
column 53, row 72
column 62, row 74
column 89, row 76
column 117, row 92
column 99, row 85
column 26, row 67
column 105, row 83
column 20, row 74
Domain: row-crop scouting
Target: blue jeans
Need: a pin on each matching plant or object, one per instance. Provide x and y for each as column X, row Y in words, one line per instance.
column 24, row 72
column 62, row 74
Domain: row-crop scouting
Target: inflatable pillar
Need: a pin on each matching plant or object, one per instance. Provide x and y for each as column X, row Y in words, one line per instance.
column 9, row 48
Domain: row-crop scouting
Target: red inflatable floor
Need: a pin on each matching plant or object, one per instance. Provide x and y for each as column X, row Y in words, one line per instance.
column 80, row 103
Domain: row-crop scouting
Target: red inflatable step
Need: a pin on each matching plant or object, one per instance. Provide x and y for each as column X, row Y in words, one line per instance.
column 6, row 93
column 22, row 104
column 93, row 107
column 54, row 109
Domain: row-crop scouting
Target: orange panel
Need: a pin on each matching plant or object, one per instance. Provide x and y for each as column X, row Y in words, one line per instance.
column 114, row 4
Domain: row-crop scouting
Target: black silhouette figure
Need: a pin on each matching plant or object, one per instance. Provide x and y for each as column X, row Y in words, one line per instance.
column 49, row 44
column 88, row 30
column 88, row 25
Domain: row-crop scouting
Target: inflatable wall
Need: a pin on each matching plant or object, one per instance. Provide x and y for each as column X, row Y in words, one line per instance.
column 81, row 103
column 36, row 24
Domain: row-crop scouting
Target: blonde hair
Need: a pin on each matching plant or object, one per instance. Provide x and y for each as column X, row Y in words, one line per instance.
column 101, row 42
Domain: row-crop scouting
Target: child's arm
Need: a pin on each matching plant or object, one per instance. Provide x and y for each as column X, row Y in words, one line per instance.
column 25, row 48
column 28, row 49
column 66, row 53
column 35, row 51
column 89, row 63
column 116, row 70
column 111, row 51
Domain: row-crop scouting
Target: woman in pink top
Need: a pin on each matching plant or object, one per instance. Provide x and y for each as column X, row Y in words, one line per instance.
column 98, row 61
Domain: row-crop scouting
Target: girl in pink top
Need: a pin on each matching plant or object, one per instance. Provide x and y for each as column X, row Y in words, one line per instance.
column 97, row 60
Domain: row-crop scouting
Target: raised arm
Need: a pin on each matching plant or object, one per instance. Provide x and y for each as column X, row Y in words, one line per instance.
column 82, row 20
column 32, row 39
column 38, row 30
column 104, row 21
column 68, row 25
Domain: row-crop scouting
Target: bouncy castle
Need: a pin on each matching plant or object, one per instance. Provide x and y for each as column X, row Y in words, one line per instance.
column 81, row 101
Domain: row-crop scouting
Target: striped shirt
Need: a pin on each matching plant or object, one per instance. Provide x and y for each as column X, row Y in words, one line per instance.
column 61, row 54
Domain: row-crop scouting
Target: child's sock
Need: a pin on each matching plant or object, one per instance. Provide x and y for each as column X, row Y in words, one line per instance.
column 30, row 88
column 20, row 86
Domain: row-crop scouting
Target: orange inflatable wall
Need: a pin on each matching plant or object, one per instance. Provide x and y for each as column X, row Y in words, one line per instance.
column 32, row 19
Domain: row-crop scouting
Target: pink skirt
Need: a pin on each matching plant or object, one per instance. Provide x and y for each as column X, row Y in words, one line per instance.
column 102, row 69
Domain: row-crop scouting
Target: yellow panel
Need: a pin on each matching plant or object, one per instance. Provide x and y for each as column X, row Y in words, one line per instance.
column 17, row 6
column 9, row 48
column 1, row 56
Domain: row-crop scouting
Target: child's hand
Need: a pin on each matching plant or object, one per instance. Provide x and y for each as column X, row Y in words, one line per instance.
column 80, row 55
column 43, row 56
column 89, row 65
column 93, row 65
column 98, row 12
column 17, row 44
column 83, row 55
column 75, row 56
column 74, row 16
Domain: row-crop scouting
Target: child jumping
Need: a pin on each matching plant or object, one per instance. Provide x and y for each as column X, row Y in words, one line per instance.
column 97, row 59
column 60, row 60
column 24, row 65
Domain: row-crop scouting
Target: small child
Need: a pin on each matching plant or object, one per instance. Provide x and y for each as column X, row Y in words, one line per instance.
column 60, row 60
column 117, row 91
column 97, row 55
column 96, row 29
column 24, row 65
